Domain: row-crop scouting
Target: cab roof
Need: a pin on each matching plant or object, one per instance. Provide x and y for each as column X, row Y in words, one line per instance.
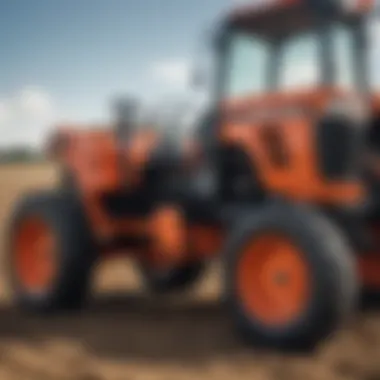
column 278, row 16
column 260, row 7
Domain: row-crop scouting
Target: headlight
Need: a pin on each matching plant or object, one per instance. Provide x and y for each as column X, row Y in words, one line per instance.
column 352, row 107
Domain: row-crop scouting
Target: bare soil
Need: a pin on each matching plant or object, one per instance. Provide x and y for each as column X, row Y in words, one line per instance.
column 127, row 335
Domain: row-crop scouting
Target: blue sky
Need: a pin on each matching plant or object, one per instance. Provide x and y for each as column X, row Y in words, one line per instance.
column 64, row 59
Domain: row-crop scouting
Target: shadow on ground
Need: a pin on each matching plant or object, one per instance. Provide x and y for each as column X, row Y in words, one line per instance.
column 120, row 326
column 134, row 327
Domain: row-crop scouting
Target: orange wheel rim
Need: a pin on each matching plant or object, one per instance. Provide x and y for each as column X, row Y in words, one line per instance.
column 34, row 255
column 273, row 280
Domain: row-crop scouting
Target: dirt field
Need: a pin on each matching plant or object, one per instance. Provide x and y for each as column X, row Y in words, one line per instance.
column 127, row 336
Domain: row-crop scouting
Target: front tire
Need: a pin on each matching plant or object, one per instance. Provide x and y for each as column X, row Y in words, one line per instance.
column 290, row 277
column 50, row 253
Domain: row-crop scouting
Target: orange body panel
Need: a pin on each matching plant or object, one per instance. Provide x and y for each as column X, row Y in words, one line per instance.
column 102, row 165
column 98, row 161
column 299, row 178
column 92, row 158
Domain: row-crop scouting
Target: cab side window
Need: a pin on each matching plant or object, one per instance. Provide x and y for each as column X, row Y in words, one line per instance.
column 373, row 30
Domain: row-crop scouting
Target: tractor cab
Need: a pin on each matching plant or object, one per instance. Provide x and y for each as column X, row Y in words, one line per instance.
column 293, row 98
column 294, row 46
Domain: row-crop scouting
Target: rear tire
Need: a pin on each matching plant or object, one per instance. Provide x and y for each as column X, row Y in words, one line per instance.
column 329, row 277
column 73, row 253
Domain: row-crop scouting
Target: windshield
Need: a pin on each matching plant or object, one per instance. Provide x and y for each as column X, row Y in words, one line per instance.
column 343, row 46
column 299, row 63
column 247, row 70
column 302, row 67
column 373, row 32
column 295, row 63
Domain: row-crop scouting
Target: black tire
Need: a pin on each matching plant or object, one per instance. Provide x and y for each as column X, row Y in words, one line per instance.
column 75, row 253
column 176, row 279
column 334, row 283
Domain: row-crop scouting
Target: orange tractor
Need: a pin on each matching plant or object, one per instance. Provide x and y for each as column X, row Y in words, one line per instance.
column 292, row 210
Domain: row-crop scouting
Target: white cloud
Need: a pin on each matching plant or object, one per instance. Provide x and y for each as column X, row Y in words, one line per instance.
column 172, row 73
column 35, row 102
column 26, row 117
